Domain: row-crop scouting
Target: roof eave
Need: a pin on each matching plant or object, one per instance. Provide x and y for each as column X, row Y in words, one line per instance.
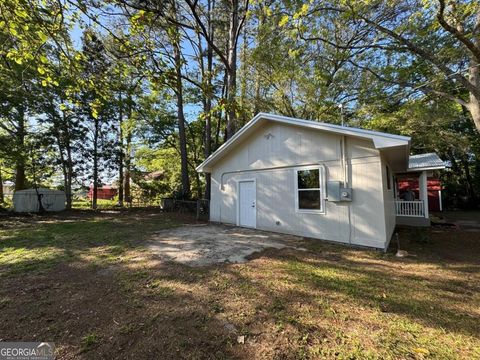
column 380, row 140
column 426, row 168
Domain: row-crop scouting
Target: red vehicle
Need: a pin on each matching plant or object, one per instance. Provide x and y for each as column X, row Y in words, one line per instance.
column 103, row 192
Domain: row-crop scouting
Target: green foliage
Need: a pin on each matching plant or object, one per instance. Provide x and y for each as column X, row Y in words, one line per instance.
column 90, row 340
column 440, row 127
column 163, row 164
column 115, row 100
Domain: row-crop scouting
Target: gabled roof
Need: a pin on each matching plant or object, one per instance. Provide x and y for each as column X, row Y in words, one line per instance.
column 380, row 140
column 430, row 161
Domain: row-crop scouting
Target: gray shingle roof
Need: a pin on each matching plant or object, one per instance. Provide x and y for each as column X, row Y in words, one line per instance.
column 425, row 161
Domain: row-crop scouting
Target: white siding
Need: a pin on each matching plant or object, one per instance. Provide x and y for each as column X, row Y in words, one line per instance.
column 388, row 202
column 270, row 155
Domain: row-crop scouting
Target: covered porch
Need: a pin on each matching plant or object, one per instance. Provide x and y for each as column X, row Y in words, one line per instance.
column 418, row 191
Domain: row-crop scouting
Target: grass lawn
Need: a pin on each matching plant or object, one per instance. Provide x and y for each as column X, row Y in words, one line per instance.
column 86, row 282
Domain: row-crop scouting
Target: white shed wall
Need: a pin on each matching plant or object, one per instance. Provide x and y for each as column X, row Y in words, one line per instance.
column 388, row 201
column 360, row 222
column 27, row 200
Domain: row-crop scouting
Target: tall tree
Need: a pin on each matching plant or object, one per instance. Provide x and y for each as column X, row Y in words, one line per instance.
column 175, row 39
column 237, row 14
column 429, row 47
column 94, row 95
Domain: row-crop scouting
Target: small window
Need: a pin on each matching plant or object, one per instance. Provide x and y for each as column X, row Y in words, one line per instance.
column 389, row 178
column 309, row 189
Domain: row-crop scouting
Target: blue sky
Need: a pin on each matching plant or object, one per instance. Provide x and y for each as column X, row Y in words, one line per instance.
column 192, row 111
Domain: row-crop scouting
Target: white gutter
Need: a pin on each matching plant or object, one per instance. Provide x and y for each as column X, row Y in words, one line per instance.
column 426, row 168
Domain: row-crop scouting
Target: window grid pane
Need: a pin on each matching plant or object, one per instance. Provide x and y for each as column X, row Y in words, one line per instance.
column 308, row 179
column 309, row 200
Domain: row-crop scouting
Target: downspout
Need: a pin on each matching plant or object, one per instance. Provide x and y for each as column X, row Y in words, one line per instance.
column 344, row 161
column 346, row 184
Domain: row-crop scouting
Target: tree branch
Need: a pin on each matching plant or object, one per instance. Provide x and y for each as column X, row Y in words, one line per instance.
column 424, row 54
column 455, row 32
column 206, row 35
column 424, row 88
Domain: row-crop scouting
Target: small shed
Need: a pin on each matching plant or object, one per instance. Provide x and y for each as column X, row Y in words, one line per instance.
column 25, row 201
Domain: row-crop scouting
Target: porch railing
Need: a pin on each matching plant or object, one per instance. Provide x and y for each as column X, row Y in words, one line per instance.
column 409, row 208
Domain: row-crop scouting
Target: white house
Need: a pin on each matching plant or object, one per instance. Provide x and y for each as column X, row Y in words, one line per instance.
column 313, row 179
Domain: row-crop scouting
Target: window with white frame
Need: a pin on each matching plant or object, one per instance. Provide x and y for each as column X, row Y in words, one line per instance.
column 309, row 189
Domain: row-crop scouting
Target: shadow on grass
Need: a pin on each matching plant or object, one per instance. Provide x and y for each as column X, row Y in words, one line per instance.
column 291, row 304
column 306, row 291
column 39, row 246
column 129, row 312
column 404, row 295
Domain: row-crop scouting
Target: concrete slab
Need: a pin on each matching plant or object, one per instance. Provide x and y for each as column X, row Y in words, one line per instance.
column 413, row 221
column 200, row 245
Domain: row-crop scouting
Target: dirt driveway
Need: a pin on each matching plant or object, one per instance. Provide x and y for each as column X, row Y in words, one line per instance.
column 465, row 220
column 200, row 245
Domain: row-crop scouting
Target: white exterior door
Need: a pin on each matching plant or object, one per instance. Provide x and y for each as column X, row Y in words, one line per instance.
column 247, row 204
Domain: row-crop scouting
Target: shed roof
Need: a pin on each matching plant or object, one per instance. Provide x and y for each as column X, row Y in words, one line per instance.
column 40, row 191
column 429, row 161
column 380, row 140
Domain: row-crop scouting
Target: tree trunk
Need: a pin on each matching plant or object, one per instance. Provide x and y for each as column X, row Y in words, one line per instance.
column 185, row 192
column 243, row 82
column 68, row 185
column 474, row 109
column 474, row 76
column 67, row 163
column 63, row 161
column 95, row 165
column 126, row 184
column 232, row 71
column 2, row 199
column 474, row 103
column 469, row 181
column 220, row 113
column 120, row 152
column 41, row 209
column 20, row 160
column 260, row 43
column 208, row 101
column 208, row 142
column 128, row 143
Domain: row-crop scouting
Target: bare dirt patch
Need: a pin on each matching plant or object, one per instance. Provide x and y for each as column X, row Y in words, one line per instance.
column 200, row 245
column 94, row 288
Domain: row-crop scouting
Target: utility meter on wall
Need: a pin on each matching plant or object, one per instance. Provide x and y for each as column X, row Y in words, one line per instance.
column 336, row 192
column 346, row 194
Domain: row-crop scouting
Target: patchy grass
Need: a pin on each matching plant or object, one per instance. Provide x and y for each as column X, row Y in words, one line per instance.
column 90, row 340
column 39, row 243
column 88, row 284
column 86, row 204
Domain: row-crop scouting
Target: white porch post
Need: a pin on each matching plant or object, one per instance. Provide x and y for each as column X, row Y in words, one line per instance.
column 440, row 199
column 423, row 192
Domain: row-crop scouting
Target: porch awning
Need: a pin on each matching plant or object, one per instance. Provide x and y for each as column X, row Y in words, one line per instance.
column 430, row 161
